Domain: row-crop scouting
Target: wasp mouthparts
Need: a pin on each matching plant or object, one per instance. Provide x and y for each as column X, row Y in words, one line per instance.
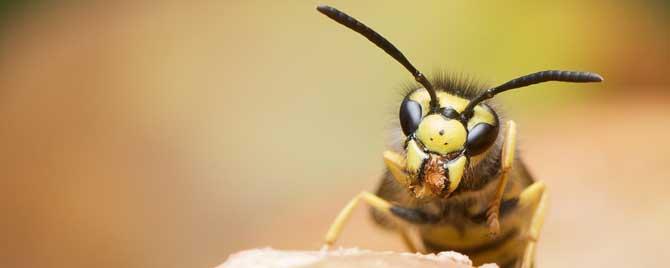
column 436, row 175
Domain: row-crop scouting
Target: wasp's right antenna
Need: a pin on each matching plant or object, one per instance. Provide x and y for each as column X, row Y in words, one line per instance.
column 382, row 43
column 531, row 79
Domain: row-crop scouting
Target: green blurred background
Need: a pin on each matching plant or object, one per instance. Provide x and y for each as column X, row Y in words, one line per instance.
column 172, row 134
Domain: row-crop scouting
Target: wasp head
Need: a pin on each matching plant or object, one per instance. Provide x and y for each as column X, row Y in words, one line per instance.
column 444, row 130
column 440, row 141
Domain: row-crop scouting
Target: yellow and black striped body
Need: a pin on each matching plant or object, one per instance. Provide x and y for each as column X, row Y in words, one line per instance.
column 462, row 220
column 463, row 226
column 453, row 176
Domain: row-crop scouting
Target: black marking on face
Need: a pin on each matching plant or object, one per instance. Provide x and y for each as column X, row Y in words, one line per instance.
column 480, row 138
column 442, row 134
column 410, row 116
column 449, row 113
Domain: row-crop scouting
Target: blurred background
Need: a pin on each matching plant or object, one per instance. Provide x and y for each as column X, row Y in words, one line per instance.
column 172, row 134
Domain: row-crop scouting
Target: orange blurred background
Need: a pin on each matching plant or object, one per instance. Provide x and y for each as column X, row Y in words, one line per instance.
column 171, row 134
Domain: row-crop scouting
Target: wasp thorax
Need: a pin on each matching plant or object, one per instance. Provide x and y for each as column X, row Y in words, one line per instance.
column 441, row 135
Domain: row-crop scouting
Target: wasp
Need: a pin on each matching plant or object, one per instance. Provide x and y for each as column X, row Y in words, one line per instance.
column 455, row 183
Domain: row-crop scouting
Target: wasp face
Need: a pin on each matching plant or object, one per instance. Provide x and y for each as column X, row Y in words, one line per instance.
column 440, row 141
column 444, row 130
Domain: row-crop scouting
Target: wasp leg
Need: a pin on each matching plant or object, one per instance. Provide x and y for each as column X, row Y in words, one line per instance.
column 509, row 145
column 407, row 214
column 396, row 165
column 337, row 225
column 534, row 198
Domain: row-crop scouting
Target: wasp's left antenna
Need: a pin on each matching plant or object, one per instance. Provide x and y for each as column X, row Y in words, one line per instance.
column 382, row 43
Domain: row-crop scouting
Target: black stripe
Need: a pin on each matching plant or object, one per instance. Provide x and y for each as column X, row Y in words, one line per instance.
column 414, row 215
column 506, row 207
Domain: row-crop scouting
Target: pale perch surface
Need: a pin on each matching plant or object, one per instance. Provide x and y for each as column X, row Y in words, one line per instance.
column 345, row 258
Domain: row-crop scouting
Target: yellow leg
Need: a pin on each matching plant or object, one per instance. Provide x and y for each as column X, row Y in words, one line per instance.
column 337, row 225
column 507, row 159
column 535, row 199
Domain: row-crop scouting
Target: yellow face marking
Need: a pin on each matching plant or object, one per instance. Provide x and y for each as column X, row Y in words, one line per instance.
column 482, row 114
column 446, row 100
column 421, row 96
column 455, row 102
column 441, row 135
column 415, row 156
column 456, row 169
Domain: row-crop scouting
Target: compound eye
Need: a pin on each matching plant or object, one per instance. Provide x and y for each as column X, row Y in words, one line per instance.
column 410, row 116
column 480, row 138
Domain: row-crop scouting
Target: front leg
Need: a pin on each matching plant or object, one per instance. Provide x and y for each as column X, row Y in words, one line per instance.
column 507, row 159
column 408, row 214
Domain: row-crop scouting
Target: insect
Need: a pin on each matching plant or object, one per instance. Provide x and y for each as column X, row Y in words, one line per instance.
column 456, row 184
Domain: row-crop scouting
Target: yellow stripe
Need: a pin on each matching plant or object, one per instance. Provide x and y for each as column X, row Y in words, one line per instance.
column 479, row 253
